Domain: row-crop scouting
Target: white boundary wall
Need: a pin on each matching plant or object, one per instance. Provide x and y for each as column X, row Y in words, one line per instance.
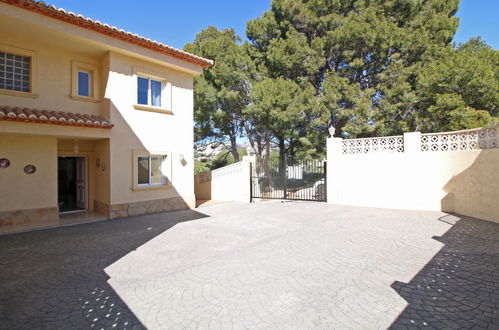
column 228, row 183
column 453, row 172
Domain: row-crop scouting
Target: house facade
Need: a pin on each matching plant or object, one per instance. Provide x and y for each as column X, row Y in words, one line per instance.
column 92, row 119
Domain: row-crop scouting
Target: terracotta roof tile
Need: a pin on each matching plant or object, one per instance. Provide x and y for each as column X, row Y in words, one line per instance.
column 52, row 117
column 88, row 23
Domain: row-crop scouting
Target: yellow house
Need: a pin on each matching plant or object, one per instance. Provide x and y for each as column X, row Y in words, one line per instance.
column 93, row 119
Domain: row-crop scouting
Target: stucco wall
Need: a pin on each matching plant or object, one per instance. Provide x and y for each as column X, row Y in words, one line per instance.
column 102, row 174
column 465, row 182
column 53, row 76
column 19, row 190
column 133, row 129
column 474, row 189
column 55, row 46
column 229, row 183
column 202, row 186
column 154, row 132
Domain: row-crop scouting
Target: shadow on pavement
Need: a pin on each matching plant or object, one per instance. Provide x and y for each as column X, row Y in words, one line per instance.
column 55, row 279
column 459, row 287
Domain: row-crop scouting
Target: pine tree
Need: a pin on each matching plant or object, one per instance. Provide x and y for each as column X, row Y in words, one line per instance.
column 361, row 56
column 222, row 92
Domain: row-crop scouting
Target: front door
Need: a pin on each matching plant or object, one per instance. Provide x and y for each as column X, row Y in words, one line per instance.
column 72, row 184
column 80, row 183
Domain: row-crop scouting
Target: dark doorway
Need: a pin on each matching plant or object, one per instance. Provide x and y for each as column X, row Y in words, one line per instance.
column 72, row 185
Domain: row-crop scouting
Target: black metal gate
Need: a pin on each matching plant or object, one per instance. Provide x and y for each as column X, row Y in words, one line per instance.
column 290, row 179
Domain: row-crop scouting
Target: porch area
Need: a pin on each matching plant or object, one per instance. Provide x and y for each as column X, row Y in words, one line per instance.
column 60, row 220
column 51, row 181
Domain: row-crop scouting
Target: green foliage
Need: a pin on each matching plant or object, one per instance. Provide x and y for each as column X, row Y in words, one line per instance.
column 351, row 104
column 201, row 167
column 289, row 111
column 361, row 56
column 450, row 113
column 461, row 89
column 222, row 92
column 307, row 150
column 277, row 106
column 292, row 58
column 375, row 67
column 222, row 159
column 226, row 158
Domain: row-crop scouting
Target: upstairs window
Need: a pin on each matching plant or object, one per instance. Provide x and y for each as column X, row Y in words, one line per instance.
column 154, row 91
column 15, row 72
column 149, row 92
column 84, row 83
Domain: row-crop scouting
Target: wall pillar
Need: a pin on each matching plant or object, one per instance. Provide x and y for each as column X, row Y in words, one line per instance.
column 334, row 169
column 412, row 142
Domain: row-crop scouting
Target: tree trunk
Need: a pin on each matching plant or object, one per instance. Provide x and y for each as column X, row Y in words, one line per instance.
column 233, row 149
column 340, row 123
column 266, row 159
column 282, row 156
column 255, row 139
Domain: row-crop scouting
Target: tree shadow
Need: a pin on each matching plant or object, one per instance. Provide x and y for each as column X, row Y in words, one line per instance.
column 475, row 190
column 459, row 287
column 55, row 278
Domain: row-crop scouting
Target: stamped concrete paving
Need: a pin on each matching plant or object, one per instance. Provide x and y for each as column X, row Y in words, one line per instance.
column 266, row 266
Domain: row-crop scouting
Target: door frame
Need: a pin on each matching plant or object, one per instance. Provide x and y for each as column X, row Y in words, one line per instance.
column 86, row 169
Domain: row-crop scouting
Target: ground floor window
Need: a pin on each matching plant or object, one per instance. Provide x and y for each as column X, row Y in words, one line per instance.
column 151, row 170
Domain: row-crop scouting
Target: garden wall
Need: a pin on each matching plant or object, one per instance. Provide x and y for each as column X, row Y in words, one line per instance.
column 453, row 172
column 228, row 183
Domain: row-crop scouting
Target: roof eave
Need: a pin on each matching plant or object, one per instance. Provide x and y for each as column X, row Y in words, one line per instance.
column 89, row 24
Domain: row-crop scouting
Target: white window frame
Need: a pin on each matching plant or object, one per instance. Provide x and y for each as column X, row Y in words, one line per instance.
column 149, row 175
column 93, row 72
column 32, row 73
column 166, row 91
column 166, row 170
column 149, row 91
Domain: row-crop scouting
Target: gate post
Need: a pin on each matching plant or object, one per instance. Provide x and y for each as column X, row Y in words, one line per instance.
column 285, row 177
column 412, row 142
column 251, row 181
column 334, row 169
column 325, row 181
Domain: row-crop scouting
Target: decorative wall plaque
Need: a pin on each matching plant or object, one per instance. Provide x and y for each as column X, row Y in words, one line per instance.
column 29, row 169
column 4, row 163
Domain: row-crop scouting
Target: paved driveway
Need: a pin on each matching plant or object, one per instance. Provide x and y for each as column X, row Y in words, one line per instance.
column 267, row 266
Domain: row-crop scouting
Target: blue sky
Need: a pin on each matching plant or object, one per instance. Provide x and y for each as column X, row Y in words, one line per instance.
column 176, row 22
